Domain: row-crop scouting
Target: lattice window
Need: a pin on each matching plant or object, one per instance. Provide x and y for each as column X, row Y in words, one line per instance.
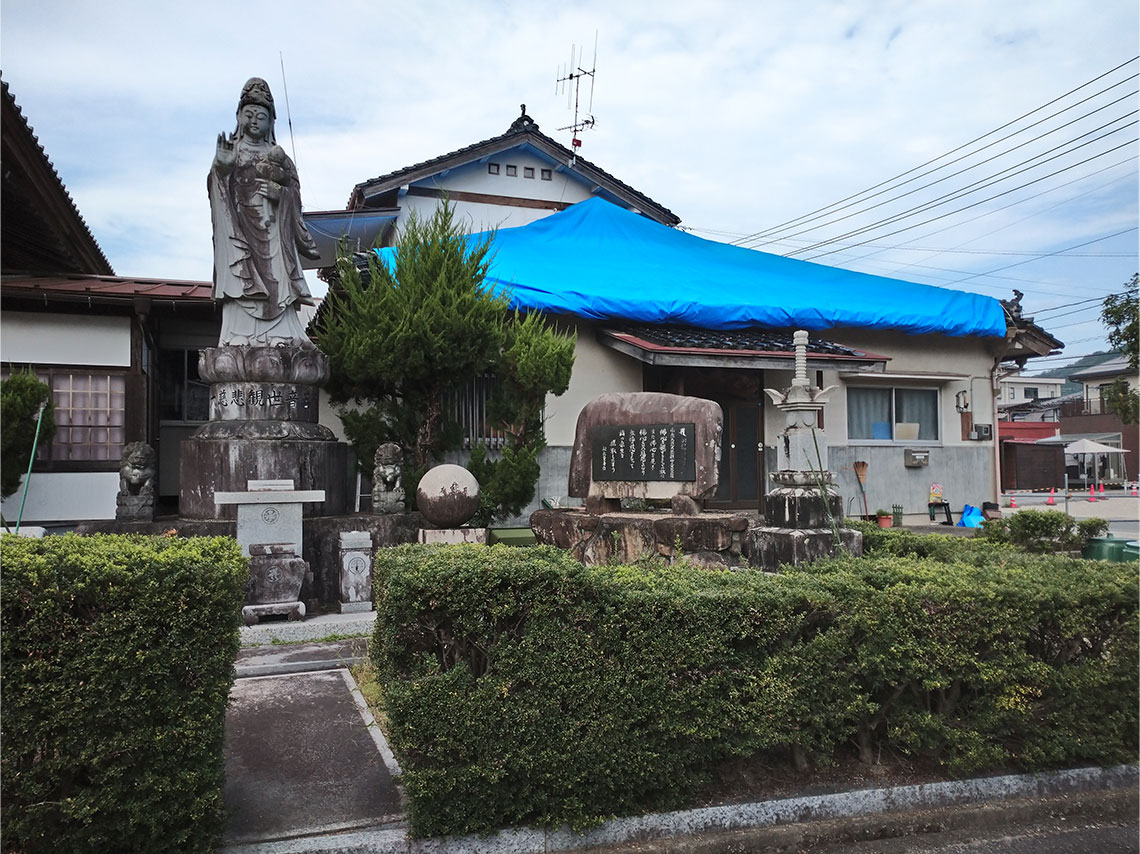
column 468, row 406
column 90, row 414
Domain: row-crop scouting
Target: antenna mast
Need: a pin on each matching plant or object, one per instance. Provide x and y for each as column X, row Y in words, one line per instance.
column 573, row 73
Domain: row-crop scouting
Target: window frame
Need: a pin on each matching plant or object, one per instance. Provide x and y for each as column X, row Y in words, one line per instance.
column 893, row 441
column 45, row 458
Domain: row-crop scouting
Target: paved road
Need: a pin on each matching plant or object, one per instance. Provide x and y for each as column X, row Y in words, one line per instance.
column 1121, row 510
column 1052, row 838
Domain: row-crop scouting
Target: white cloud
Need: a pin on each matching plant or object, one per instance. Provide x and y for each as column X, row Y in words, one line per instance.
column 736, row 115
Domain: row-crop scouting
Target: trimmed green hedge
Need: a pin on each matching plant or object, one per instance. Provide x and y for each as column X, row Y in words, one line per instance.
column 118, row 656
column 522, row 686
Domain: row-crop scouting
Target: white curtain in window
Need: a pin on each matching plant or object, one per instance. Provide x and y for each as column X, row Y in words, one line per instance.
column 868, row 413
column 918, row 406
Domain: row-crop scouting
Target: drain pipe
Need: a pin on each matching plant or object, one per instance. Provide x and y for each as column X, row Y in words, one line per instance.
column 31, row 459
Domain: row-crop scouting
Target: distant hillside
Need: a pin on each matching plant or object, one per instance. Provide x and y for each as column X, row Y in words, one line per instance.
column 1089, row 361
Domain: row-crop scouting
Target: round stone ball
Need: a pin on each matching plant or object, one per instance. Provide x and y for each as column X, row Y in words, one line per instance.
column 448, row 496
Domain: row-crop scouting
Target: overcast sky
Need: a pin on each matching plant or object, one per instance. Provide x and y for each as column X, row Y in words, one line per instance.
column 738, row 116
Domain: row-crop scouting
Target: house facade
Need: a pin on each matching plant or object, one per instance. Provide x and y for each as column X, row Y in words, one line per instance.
column 918, row 408
column 1022, row 398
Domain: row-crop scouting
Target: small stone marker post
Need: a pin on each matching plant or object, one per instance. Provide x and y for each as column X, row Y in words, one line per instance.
column 355, row 572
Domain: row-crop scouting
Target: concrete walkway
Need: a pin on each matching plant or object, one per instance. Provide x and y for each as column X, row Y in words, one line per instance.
column 308, row 770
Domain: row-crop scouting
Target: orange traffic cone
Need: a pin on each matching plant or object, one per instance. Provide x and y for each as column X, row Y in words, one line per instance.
column 1012, row 501
column 1051, row 499
column 1092, row 493
column 1102, row 490
column 1135, row 488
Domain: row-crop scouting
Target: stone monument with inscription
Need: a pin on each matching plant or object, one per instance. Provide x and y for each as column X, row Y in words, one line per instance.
column 645, row 445
column 659, row 447
column 265, row 373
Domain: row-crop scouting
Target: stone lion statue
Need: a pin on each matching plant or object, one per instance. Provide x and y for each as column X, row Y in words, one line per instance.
column 387, row 490
column 137, row 472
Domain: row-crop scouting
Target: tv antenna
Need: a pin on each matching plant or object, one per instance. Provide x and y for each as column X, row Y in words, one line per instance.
column 573, row 73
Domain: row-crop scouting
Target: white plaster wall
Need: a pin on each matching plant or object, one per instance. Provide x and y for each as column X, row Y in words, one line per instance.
column 65, row 339
column 65, row 497
column 597, row 369
column 474, row 178
column 1013, row 388
column 939, row 354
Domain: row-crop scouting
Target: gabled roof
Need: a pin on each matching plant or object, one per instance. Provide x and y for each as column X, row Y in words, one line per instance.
column 522, row 132
column 1114, row 367
column 41, row 230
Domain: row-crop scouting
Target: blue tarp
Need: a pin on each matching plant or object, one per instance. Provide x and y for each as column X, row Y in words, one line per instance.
column 599, row 261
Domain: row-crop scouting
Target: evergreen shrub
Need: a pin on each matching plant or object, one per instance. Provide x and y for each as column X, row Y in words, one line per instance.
column 118, row 657
column 524, row 687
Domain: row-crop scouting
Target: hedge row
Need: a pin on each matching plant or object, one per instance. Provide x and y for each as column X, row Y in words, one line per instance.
column 523, row 687
column 118, row 656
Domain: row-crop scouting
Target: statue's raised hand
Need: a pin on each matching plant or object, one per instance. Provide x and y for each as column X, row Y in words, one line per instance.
column 225, row 156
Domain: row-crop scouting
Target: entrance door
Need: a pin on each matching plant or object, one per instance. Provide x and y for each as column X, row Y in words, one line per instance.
column 741, row 474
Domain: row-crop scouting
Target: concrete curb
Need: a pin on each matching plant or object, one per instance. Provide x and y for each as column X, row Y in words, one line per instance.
column 393, row 839
column 313, row 629
column 252, row 671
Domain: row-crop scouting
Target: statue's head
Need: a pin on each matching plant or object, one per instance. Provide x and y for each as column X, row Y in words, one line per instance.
column 256, row 113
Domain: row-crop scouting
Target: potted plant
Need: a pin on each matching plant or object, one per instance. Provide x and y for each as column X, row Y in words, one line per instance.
column 883, row 517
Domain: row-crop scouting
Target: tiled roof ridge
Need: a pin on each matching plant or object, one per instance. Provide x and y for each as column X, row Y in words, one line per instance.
column 51, row 166
column 524, row 125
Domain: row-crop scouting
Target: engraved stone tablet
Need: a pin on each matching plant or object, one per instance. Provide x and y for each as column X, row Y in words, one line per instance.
column 644, row 452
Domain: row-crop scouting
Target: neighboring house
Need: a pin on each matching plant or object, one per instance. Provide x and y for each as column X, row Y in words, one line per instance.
column 1022, row 398
column 1086, row 417
column 902, row 386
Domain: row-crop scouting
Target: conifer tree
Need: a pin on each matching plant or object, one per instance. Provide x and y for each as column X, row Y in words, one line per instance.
column 21, row 396
column 403, row 336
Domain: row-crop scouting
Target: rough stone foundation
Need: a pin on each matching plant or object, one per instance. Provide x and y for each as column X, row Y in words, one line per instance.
column 710, row 539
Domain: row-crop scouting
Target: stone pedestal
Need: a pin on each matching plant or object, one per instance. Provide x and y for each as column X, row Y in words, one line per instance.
column 276, row 574
column 355, row 572
column 771, row 548
column 134, row 508
column 263, row 425
column 453, row 536
column 270, row 512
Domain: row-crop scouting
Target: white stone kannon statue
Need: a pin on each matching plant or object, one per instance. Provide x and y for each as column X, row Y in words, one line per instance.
column 259, row 235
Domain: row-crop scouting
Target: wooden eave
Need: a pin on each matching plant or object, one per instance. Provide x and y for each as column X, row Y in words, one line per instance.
column 42, row 230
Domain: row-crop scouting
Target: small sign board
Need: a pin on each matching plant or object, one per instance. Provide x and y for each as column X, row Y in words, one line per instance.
column 665, row 452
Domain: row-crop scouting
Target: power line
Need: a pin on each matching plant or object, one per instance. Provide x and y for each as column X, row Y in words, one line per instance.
column 1036, row 213
column 976, row 165
column 1050, row 254
column 823, row 210
column 988, row 199
column 973, row 188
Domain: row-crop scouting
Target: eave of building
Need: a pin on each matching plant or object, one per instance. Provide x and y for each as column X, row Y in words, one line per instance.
column 374, row 190
column 359, row 228
column 43, row 230
column 654, row 353
column 104, row 290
